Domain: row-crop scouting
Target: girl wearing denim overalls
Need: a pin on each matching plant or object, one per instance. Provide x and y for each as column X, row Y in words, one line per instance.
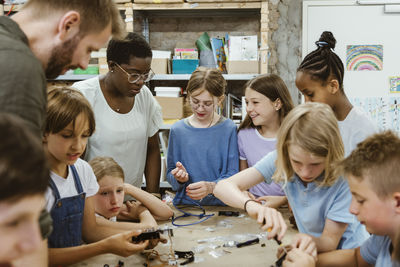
column 70, row 122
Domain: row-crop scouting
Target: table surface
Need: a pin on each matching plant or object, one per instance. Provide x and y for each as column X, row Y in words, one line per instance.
column 206, row 239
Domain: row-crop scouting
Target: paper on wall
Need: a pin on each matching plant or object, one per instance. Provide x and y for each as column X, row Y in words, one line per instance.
column 243, row 47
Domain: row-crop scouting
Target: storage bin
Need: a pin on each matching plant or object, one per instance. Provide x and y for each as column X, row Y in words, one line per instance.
column 184, row 66
column 91, row 69
column 167, row 91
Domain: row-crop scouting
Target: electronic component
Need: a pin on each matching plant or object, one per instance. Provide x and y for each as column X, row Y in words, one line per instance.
column 147, row 235
column 151, row 234
column 228, row 213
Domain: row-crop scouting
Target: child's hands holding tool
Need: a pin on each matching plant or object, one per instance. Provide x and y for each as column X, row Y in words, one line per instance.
column 270, row 219
column 297, row 257
column 305, row 243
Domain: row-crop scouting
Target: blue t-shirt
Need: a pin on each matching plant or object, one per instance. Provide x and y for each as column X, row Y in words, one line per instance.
column 376, row 251
column 208, row 154
column 313, row 204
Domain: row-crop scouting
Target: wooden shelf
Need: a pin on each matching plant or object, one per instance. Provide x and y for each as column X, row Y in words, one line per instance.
column 158, row 77
column 16, row 7
column 194, row 6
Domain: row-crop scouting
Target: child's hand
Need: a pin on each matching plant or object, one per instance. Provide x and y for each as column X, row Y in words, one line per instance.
column 273, row 201
column 305, row 243
column 121, row 244
column 297, row 257
column 270, row 219
column 180, row 173
column 154, row 242
column 131, row 210
column 200, row 190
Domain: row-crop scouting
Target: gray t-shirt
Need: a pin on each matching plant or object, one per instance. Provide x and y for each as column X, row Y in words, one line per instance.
column 22, row 78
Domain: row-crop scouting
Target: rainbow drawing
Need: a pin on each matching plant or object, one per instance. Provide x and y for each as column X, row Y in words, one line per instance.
column 364, row 57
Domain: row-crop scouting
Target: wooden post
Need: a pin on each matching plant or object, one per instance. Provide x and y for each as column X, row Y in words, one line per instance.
column 264, row 50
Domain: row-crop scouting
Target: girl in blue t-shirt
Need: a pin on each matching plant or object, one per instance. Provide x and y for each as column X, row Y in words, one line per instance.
column 202, row 148
column 309, row 143
column 268, row 101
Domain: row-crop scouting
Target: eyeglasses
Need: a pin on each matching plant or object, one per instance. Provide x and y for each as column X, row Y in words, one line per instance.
column 134, row 77
column 196, row 104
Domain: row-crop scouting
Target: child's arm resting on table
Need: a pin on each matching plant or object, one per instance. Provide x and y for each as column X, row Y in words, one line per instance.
column 120, row 244
column 157, row 208
column 342, row 258
column 144, row 216
column 329, row 239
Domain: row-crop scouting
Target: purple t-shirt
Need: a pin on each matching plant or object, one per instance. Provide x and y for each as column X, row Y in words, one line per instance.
column 253, row 147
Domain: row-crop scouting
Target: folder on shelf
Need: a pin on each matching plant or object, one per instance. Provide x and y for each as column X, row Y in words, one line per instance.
column 217, row 45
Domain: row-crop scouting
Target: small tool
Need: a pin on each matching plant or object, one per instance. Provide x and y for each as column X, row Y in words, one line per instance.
column 279, row 262
column 248, row 243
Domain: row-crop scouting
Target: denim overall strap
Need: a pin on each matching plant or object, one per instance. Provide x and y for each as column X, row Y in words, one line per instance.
column 67, row 215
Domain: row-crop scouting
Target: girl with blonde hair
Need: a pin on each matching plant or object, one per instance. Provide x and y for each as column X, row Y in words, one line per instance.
column 309, row 143
column 108, row 202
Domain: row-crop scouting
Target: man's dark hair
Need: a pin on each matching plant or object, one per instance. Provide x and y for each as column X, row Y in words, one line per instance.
column 23, row 166
column 134, row 45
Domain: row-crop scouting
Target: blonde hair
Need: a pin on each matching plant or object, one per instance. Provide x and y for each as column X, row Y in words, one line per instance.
column 314, row 128
column 377, row 159
column 64, row 105
column 106, row 166
column 95, row 15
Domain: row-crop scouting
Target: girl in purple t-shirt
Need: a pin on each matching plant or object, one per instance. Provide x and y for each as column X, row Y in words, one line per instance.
column 267, row 103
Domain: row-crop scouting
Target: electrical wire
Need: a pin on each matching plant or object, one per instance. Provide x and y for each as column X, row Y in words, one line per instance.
column 11, row 9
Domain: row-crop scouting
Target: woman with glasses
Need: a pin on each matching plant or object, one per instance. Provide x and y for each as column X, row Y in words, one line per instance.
column 127, row 116
column 202, row 148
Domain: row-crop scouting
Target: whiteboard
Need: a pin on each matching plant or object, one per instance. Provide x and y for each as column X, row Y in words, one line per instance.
column 354, row 24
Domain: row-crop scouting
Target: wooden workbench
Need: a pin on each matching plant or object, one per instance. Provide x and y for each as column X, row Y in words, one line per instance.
column 203, row 238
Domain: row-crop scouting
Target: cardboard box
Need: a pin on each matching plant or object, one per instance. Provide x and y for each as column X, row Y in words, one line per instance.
column 172, row 107
column 160, row 65
column 243, row 67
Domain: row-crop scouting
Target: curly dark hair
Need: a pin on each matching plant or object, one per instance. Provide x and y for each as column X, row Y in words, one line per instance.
column 134, row 45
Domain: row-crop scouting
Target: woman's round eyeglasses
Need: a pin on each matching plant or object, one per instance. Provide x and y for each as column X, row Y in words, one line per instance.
column 135, row 77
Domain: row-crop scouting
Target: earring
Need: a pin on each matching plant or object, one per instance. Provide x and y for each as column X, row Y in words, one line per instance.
column 111, row 71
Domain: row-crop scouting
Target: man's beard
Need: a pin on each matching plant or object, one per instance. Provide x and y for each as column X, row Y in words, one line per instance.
column 61, row 57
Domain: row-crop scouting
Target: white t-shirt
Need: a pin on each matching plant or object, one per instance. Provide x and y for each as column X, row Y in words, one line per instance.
column 355, row 128
column 113, row 219
column 66, row 187
column 123, row 137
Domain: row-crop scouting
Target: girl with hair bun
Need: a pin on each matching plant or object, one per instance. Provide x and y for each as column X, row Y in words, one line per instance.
column 320, row 79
